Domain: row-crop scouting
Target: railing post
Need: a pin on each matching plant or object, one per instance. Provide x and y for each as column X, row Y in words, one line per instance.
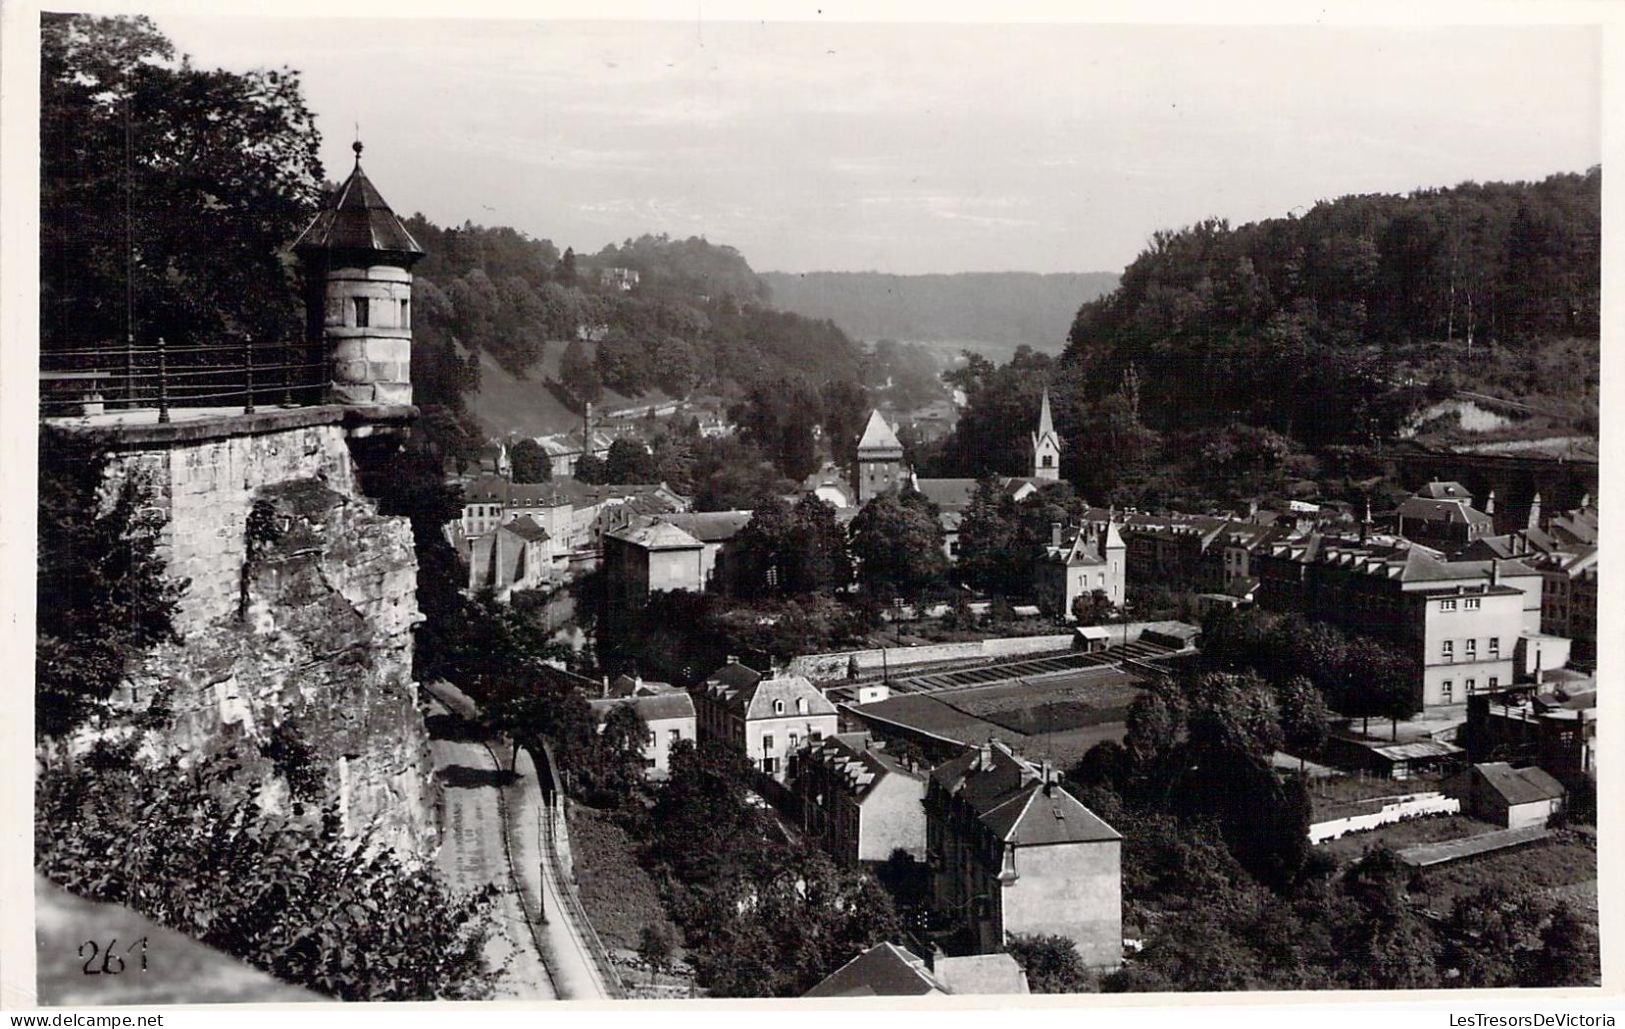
column 129, row 371
column 163, row 383
column 248, row 374
column 287, row 375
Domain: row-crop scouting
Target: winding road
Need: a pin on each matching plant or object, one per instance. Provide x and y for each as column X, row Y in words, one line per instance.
column 495, row 832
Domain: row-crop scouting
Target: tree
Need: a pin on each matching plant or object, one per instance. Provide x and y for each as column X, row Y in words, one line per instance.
column 143, row 156
column 1304, row 715
column 791, row 549
column 988, row 539
column 578, row 373
column 1052, row 964
column 897, row 545
column 1378, row 680
column 102, row 592
column 1568, row 953
column 530, row 462
column 655, row 947
column 628, row 461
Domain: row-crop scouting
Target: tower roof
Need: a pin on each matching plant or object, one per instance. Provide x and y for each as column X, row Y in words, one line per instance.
column 358, row 219
column 1046, row 424
column 877, row 435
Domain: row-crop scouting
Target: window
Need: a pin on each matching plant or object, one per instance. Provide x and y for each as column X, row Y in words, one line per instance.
column 1495, row 646
column 778, row 708
column 1447, row 605
column 767, row 742
column 801, row 705
column 815, row 736
column 1472, row 684
column 406, row 314
column 770, row 765
column 1447, row 650
column 1495, row 681
column 673, row 735
column 794, row 739
column 361, row 313
column 1471, row 603
column 1472, row 649
column 1447, row 691
column 1049, row 461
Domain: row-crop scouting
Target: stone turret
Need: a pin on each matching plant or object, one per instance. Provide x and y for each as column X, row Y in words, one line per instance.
column 1046, row 445
column 357, row 259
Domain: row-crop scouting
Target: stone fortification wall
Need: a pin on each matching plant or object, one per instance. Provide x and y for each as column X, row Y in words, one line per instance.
column 296, row 651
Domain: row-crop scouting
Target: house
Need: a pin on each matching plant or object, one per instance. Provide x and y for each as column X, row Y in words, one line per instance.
column 887, row 970
column 715, row 529
column 514, row 556
column 1391, row 759
column 1442, row 513
column 652, row 557
column 771, row 718
column 1013, row 852
column 1076, row 564
column 1513, row 797
column 1460, row 620
column 493, row 459
column 858, row 802
column 1555, row 728
column 622, row 279
column 669, row 717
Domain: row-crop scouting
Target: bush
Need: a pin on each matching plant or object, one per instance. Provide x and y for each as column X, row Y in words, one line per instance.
column 192, row 850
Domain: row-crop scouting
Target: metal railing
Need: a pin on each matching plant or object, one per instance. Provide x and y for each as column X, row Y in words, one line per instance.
column 95, row 378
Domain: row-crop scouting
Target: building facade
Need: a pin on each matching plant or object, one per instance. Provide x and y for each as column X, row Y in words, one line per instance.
column 768, row 718
column 1014, row 853
column 670, row 718
column 858, row 802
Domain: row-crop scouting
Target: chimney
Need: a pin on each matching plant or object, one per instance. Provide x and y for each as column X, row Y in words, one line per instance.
column 605, row 692
column 733, row 659
column 984, row 756
column 1495, row 571
column 1055, row 534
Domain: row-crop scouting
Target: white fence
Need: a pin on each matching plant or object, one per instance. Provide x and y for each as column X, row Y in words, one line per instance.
column 1396, row 809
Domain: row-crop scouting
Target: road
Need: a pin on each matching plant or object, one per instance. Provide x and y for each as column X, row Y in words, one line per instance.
column 473, row 855
column 495, row 831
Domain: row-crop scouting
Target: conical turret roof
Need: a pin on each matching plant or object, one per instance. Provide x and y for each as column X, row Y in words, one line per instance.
column 358, row 220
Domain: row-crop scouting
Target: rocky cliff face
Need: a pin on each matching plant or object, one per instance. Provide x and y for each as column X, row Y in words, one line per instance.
column 297, row 650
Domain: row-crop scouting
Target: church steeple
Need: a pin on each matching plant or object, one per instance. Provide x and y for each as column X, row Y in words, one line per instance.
column 1046, row 445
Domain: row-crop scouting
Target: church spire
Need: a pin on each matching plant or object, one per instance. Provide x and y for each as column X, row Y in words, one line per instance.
column 1046, row 444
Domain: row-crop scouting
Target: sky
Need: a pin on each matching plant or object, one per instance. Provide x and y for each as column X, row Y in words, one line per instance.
column 914, row 148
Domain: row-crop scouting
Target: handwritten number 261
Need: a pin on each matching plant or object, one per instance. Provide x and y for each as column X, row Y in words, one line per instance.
column 112, row 962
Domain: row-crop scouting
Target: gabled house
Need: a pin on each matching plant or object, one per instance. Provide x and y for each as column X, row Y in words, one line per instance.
column 669, row 716
column 1014, row 853
column 1513, row 797
column 858, row 802
column 769, row 718
column 1076, row 563
column 514, row 556
column 887, row 970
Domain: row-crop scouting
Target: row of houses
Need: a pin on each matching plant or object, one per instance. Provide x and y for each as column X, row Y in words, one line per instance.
column 1007, row 846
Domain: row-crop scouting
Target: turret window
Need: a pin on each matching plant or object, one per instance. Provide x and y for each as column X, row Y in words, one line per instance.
column 406, row 314
column 361, row 312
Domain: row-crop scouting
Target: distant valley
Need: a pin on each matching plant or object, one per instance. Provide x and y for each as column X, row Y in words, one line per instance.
column 988, row 312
